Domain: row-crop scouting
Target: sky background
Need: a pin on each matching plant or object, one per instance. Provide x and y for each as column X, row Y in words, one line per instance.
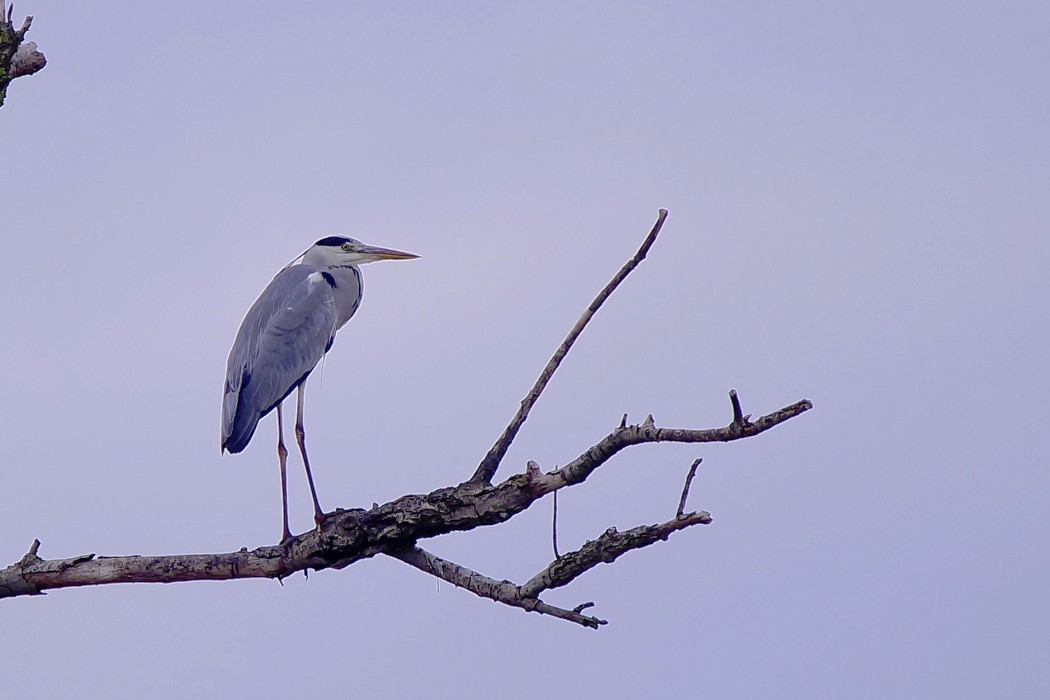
column 858, row 216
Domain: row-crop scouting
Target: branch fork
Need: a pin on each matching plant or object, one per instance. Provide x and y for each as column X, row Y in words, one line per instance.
column 395, row 529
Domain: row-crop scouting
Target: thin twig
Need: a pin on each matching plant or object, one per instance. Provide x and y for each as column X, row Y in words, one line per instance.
column 685, row 489
column 554, row 526
column 487, row 469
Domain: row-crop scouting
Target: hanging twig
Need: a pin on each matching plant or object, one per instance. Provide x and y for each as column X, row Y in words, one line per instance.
column 554, row 526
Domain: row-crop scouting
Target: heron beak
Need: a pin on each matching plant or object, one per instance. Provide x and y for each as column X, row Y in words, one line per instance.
column 376, row 253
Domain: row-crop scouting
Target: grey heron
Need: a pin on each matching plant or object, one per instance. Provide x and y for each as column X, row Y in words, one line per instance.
column 284, row 335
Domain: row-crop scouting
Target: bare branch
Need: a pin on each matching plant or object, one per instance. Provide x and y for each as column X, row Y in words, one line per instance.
column 564, row 569
column 16, row 59
column 501, row 591
column 348, row 536
column 487, row 469
column 685, row 489
column 580, row 468
column 32, row 575
column 606, row 549
column 395, row 528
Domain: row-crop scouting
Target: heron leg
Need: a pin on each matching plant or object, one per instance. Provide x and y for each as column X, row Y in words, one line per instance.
column 300, row 437
column 282, row 457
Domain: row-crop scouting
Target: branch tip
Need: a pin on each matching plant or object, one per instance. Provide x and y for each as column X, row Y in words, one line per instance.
column 685, row 490
column 738, row 413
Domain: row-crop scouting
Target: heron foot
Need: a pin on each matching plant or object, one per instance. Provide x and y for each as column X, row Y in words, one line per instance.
column 320, row 517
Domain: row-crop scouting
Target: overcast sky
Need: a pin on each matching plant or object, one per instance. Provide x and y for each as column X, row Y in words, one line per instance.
column 858, row 216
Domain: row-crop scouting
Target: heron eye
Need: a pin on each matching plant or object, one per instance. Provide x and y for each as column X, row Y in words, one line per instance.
column 346, row 247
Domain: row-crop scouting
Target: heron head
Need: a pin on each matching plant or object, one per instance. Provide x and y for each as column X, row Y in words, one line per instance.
column 340, row 250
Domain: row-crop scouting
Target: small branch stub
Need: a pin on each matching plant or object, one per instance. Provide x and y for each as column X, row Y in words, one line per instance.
column 685, row 489
column 738, row 413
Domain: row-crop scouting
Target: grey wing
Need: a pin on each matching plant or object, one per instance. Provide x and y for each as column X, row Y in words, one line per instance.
column 284, row 335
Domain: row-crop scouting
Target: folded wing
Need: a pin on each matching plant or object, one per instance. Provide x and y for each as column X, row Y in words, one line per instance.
column 284, row 335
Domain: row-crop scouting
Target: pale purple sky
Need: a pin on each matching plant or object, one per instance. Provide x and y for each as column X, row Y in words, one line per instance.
column 858, row 216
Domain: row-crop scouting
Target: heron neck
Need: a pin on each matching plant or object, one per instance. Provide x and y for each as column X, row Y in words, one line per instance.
column 347, row 287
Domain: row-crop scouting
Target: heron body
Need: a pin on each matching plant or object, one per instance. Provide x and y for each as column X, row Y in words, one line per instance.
column 285, row 334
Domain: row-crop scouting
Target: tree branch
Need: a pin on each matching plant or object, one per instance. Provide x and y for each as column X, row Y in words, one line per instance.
column 501, row 591
column 348, row 536
column 16, row 58
column 395, row 528
column 606, row 549
column 627, row 435
column 487, row 469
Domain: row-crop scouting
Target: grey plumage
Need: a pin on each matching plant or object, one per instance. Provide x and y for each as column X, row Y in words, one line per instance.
column 285, row 334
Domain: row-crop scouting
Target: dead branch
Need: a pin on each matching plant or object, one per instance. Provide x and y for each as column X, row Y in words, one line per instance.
column 395, row 528
column 626, row 435
column 606, row 549
column 564, row 569
column 16, row 58
column 501, row 591
column 348, row 536
column 487, row 469
column 688, row 483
